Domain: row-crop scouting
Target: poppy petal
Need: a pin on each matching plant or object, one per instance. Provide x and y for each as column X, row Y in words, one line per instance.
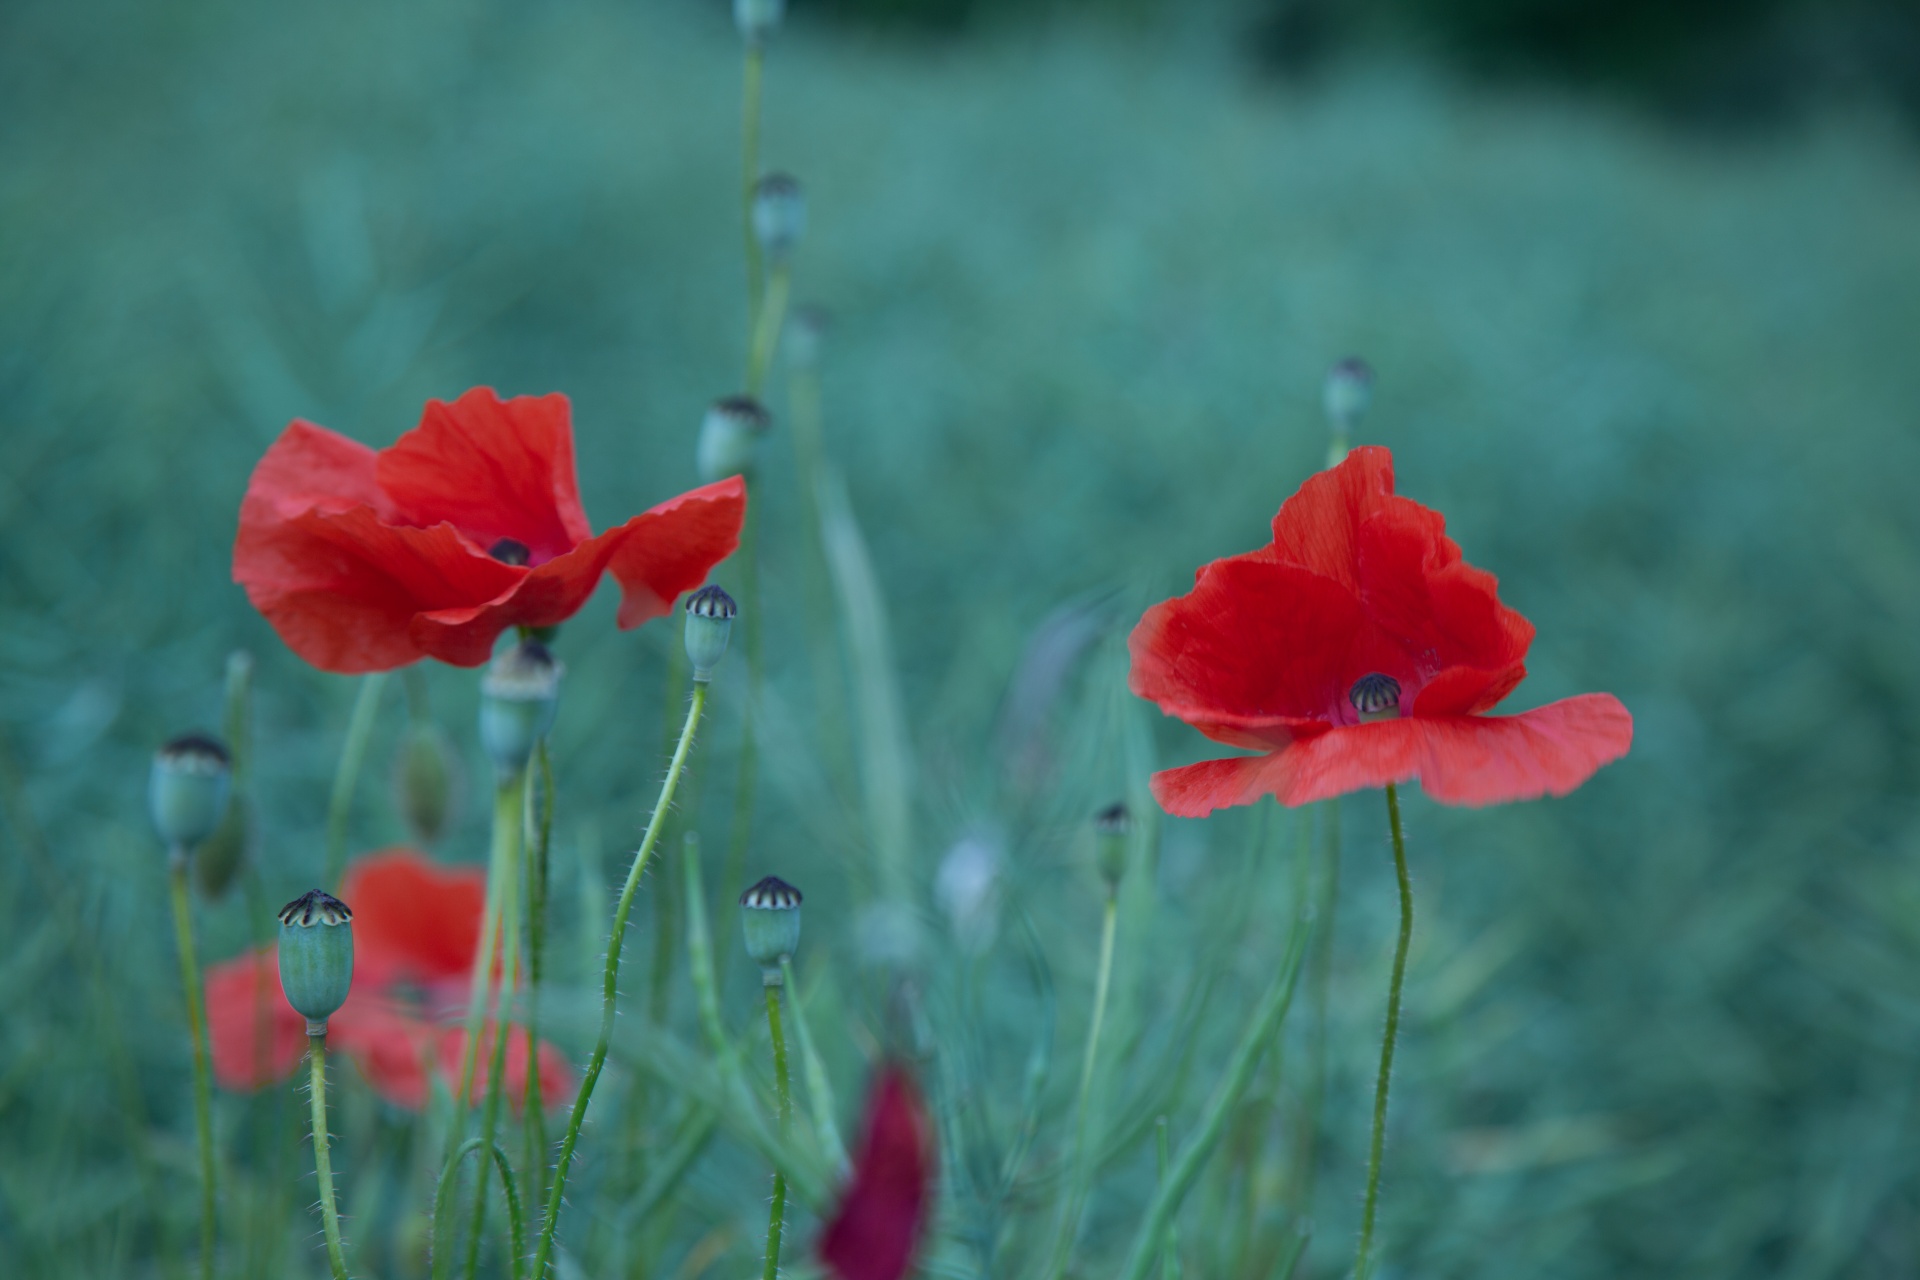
column 390, row 1044
column 876, row 1229
column 413, row 920
column 1466, row 691
column 556, row 1077
column 1416, row 587
column 255, row 1035
column 493, row 469
column 1318, row 527
column 310, row 468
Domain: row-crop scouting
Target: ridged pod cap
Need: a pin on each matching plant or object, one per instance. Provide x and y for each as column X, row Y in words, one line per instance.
column 770, row 921
column 1375, row 697
column 188, row 788
column 316, row 956
column 519, row 696
column 779, row 214
column 730, row 437
column 710, row 614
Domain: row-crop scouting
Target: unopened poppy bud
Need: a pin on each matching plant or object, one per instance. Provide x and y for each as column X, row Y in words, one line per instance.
column 1110, row 828
column 426, row 776
column 779, row 214
column 770, row 921
column 1375, row 697
column 187, row 790
column 807, row 335
column 730, row 437
column 710, row 613
column 219, row 858
column 1348, row 392
column 518, row 698
column 316, row 956
column 755, row 18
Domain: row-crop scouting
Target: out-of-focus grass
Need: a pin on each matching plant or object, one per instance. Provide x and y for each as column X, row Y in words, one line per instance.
column 1084, row 293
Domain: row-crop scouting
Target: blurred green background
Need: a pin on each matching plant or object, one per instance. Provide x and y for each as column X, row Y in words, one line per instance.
column 1086, row 269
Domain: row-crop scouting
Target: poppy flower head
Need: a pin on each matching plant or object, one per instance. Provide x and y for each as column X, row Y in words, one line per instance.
column 1357, row 649
column 469, row 524
column 876, row 1229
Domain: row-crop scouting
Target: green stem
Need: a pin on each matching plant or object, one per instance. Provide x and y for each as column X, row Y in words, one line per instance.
column 497, row 1067
column 322, row 1161
column 610, row 988
column 507, row 796
column 819, row 1092
column 202, row 1077
column 740, row 835
column 750, row 71
column 1259, row 1032
column 766, row 329
column 1322, row 964
column 541, row 840
column 1362, row 1259
column 1170, row 1248
column 353, row 753
column 706, row 988
column 803, row 397
column 1077, row 1185
column 516, row 1216
column 783, row 1088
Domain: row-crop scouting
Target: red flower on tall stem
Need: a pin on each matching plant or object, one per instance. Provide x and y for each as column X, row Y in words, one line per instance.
column 416, row 940
column 469, row 524
column 1359, row 649
column 877, row 1227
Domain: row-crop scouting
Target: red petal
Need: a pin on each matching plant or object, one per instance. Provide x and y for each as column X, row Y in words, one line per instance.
column 1259, row 639
column 1416, row 587
column 256, row 1036
column 556, row 1077
column 390, row 1044
column 310, row 468
column 1465, row 691
column 1318, row 527
column 493, row 469
column 413, row 920
column 874, row 1232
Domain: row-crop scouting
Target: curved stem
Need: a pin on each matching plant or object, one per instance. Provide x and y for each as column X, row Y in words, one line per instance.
column 1362, row 1260
column 1170, row 1255
column 776, row 1218
column 819, row 1092
column 322, row 1161
column 516, row 1215
column 202, row 1077
column 610, row 988
column 352, row 754
column 1076, row 1187
column 497, row 1066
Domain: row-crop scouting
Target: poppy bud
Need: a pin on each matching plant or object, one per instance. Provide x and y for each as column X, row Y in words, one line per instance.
column 518, row 698
column 770, row 921
column 779, row 214
column 219, row 859
column 187, row 790
column 1348, row 392
column 1375, row 697
column 316, row 956
column 730, row 437
column 710, row 613
column 755, row 18
column 426, row 775
column 807, row 335
column 1110, row 828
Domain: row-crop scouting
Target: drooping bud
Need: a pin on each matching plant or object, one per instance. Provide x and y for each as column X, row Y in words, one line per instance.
column 1110, row 828
column 316, row 956
column 710, row 613
column 755, row 18
column 519, row 696
column 187, row 790
column 426, row 778
column 730, row 437
column 779, row 215
column 1345, row 396
column 770, row 922
column 807, row 332
column 1375, row 697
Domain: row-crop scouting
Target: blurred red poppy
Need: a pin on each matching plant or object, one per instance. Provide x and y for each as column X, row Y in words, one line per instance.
column 874, row 1232
column 416, row 939
column 1359, row 649
column 467, row 525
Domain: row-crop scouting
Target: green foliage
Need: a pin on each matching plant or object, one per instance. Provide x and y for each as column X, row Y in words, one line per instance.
column 1084, row 294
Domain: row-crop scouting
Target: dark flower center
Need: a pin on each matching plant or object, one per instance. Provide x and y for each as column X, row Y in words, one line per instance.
column 510, row 551
column 1375, row 697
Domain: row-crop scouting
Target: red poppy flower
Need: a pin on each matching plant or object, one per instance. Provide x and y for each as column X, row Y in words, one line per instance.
column 416, row 938
column 1359, row 649
column 873, row 1234
column 467, row 525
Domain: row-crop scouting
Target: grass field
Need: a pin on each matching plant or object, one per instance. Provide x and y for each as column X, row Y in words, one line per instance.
column 1084, row 286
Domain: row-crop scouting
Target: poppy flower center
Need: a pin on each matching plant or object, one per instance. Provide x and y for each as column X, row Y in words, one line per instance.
column 510, row 551
column 1375, row 697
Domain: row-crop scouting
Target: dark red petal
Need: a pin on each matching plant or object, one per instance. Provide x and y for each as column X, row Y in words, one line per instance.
column 1258, row 639
column 1466, row 691
column 877, row 1227
column 256, row 1036
column 413, row 920
column 390, row 1044
column 556, row 1077
column 1318, row 527
column 342, row 589
column 493, row 469
column 1416, row 588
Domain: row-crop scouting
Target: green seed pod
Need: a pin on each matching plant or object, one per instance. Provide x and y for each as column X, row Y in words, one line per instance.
column 1347, row 393
column 755, row 18
column 426, row 778
column 316, row 956
column 779, row 215
column 730, row 438
column 518, row 699
column 710, row 614
column 187, row 790
column 1110, row 828
column 1375, row 697
column 770, row 921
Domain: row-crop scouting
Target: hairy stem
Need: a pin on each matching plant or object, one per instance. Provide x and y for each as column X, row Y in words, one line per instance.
column 322, row 1160
column 202, row 1076
column 1363, row 1260
column 819, row 1092
column 497, row 1067
column 777, row 1215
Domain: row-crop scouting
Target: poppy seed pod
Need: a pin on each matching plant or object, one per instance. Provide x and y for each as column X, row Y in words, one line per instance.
column 710, row 614
column 1347, row 393
column 187, row 790
column 1375, row 697
column 1110, row 828
column 779, row 214
column 755, row 18
column 426, row 776
column 730, row 437
column 770, row 921
column 518, row 698
column 316, row 956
